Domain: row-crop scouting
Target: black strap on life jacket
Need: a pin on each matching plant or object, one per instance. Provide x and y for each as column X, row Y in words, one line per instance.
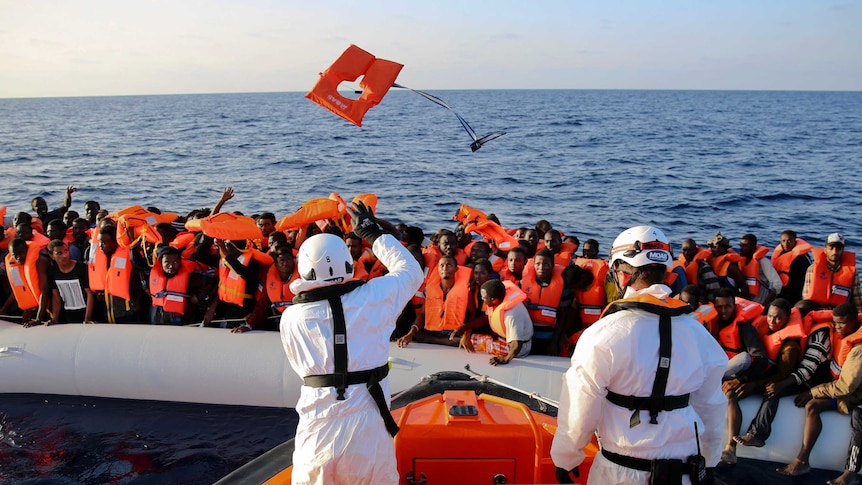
column 341, row 378
column 657, row 401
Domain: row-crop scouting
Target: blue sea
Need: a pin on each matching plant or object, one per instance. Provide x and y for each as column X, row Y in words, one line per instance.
column 591, row 162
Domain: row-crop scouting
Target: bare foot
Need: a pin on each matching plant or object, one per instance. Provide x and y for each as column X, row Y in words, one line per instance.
column 846, row 478
column 795, row 468
column 728, row 456
column 748, row 439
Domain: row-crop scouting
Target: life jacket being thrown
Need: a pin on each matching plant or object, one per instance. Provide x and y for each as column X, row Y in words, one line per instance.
column 379, row 75
column 24, row 278
column 828, row 287
column 497, row 315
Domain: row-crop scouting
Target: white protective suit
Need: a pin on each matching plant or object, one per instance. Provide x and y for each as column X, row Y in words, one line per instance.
column 346, row 441
column 620, row 353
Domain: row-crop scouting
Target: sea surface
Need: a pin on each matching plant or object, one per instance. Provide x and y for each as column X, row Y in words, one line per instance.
column 591, row 162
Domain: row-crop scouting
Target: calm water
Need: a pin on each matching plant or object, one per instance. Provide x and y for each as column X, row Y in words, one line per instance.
column 591, row 162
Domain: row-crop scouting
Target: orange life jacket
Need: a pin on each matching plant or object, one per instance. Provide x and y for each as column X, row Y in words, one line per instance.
column 543, row 301
column 840, row 354
column 354, row 62
column 721, row 263
column 446, row 313
column 493, row 233
column 24, row 278
column 172, row 293
column 592, row 301
column 377, row 267
column 782, row 260
column 278, row 290
column 751, row 270
column 795, row 329
column 831, row 288
column 691, row 267
column 114, row 280
column 497, row 315
column 728, row 336
column 708, row 316
column 231, row 286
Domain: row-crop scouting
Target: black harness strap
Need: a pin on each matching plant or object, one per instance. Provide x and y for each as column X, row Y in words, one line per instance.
column 340, row 343
column 659, row 385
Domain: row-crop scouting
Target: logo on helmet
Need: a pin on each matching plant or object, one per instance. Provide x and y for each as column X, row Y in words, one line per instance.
column 658, row 256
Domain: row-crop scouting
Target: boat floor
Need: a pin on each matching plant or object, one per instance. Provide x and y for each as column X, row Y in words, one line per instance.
column 748, row 471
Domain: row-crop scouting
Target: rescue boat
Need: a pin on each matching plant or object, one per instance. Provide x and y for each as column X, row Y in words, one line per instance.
column 454, row 428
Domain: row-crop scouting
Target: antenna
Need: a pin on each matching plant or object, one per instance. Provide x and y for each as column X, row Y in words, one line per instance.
column 697, row 437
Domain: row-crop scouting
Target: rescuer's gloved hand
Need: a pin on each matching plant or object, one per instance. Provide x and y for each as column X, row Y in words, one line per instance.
column 364, row 224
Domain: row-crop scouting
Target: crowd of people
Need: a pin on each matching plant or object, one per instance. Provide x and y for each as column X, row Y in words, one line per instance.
column 786, row 318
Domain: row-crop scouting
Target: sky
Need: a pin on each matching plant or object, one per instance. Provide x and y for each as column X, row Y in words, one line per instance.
column 119, row 47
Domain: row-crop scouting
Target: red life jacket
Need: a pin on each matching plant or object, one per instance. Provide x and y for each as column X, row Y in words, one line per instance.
column 795, row 329
column 828, row 287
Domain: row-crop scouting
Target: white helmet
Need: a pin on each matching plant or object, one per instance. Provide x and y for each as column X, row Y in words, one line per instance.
column 642, row 246
column 324, row 258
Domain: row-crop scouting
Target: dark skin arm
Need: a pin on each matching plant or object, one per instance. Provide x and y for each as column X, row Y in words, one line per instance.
column 67, row 200
column 514, row 348
column 226, row 195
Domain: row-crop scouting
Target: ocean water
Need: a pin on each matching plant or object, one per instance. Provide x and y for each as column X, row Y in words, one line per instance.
column 591, row 162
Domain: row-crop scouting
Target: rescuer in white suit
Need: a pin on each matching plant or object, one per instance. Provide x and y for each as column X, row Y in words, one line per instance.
column 343, row 434
column 643, row 408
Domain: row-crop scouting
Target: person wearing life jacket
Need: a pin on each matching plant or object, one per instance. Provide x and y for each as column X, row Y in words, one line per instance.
column 336, row 336
column 27, row 269
column 760, row 276
column 266, row 224
column 841, row 394
column 725, row 263
column 476, row 316
column 444, row 242
column 482, row 250
column 70, row 286
column 642, row 402
column 80, row 239
column 446, row 293
column 357, row 250
column 569, row 327
column 25, row 231
column 40, row 207
column 592, row 301
column 812, row 368
column 113, row 279
column 531, row 238
column 55, row 230
column 516, row 262
column 511, row 327
column 544, row 287
column 832, row 279
column 172, row 288
column 705, row 313
column 748, row 360
column 239, row 273
column 791, row 259
column 554, row 242
column 276, row 295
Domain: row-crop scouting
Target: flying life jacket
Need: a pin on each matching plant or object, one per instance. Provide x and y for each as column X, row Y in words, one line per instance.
column 795, row 329
column 782, row 260
column 113, row 280
column 592, row 301
column 657, row 401
column 278, row 290
column 728, row 336
column 841, row 352
column 497, row 315
column 493, row 233
column 751, row 270
column 446, row 312
column 543, row 301
column 379, row 75
column 24, row 278
column 171, row 293
column 828, row 287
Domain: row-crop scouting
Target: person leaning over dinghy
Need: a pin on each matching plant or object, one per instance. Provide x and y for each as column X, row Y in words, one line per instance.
column 337, row 331
column 648, row 356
